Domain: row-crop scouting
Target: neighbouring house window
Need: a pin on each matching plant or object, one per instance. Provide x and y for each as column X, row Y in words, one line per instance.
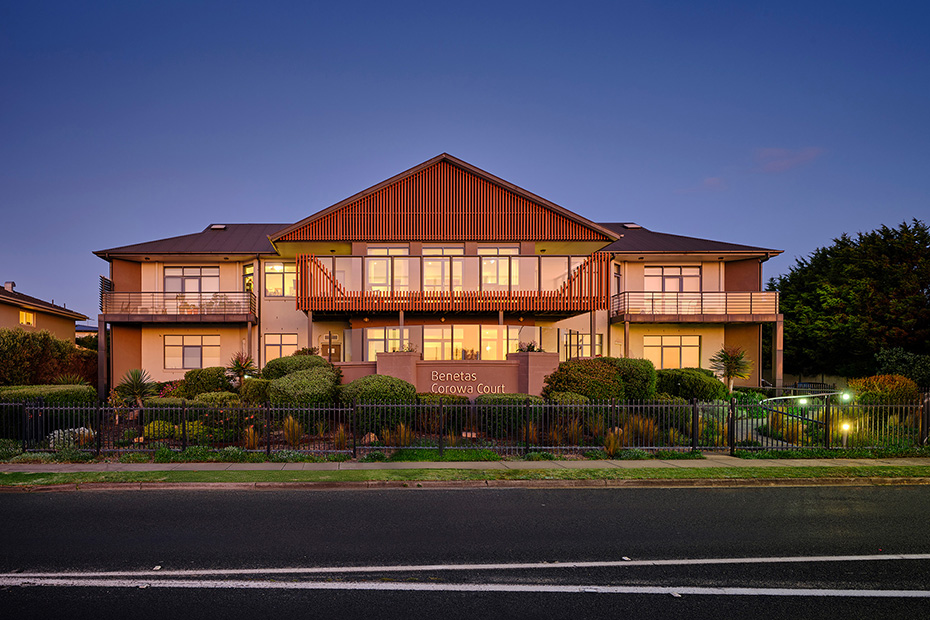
column 496, row 273
column 27, row 319
column 385, row 340
column 192, row 279
column 673, row 351
column 672, row 279
column 186, row 352
column 248, row 277
column 279, row 345
column 280, row 280
column 578, row 344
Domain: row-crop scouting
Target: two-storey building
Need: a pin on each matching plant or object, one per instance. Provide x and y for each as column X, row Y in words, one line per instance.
column 445, row 260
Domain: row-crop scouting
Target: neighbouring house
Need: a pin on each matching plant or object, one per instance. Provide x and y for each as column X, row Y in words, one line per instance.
column 18, row 310
column 436, row 275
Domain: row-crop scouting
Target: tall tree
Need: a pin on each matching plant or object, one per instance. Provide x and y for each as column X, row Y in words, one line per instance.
column 849, row 300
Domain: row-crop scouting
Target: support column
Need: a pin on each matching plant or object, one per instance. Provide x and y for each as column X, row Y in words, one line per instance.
column 626, row 339
column 248, row 331
column 309, row 314
column 103, row 367
column 592, row 328
column 500, row 317
column 778, row 369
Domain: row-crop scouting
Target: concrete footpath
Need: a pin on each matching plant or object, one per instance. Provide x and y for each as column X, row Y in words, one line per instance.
column 711, row 460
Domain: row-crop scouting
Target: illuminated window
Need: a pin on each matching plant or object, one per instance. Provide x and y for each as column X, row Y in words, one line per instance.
column 672, row 279
column 280, row 280
column 442, row 272
column 673, row 351
column 248, row 277
column 496, row 271
column 382, row 273
column 192, row 279
column 578, row 344
column 27, row 319
column 185, row 352
column 279, row 345
column 385, row 340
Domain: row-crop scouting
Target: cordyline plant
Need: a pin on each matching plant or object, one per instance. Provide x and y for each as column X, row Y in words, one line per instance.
column 241, row 365
column 135, row 387
column 731, row 363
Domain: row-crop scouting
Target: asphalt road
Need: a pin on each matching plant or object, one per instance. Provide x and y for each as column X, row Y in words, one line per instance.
column 611, row 553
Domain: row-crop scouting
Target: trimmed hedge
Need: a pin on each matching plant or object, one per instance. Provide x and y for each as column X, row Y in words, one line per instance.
column 31, row 358
column 637, row 375
column 690, row 383
column 201, row 380
column 283, row 366
column 254, row 391
column 166, row 402
column 595, row 378
column 314, row 386
column 428, row 398
column 218, row 399
column 885, row 389
column 506, row 413
column 379, row 389
column 51, row 394
column 568, row 398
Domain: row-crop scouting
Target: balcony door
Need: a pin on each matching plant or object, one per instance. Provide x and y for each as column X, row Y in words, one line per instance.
column 672, row 290
column 190, row 285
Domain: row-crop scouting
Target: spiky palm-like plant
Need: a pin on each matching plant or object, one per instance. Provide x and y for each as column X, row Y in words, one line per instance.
column 731, row 363
column 241, row 365
column 135, row 386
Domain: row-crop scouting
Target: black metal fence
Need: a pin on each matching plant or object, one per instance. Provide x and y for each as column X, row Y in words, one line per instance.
column 505, row 429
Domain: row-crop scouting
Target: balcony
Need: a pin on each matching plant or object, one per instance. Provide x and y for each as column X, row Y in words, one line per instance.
column 557, row 285
column 160, row 307
column 709, row 307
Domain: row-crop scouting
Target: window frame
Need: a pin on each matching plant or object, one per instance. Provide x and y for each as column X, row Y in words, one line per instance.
column 280, row 345
column 27, row 318
column 667, row 344
column 287, row 269
column 188, row 344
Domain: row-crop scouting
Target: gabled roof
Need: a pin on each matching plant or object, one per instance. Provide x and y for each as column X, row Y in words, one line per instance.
column 26, row 302
column 635, row 239
column 444, row 199
column 214, row 239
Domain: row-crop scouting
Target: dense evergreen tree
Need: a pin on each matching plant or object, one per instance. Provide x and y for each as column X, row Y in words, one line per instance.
column 847, row 301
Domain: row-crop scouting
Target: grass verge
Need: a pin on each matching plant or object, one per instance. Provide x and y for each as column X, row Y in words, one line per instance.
column 414, row 475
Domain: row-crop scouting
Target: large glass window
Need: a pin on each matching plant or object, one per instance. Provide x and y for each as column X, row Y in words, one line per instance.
column 385, row 340
column 496, row 273
column 383, row 273
column 578, row 344
column 442, row 272
column 673, row 351
column 185, row 352
column 280, row 280
column 192, row 279
column 279, row 345
column 672, row 279
column 437, row 342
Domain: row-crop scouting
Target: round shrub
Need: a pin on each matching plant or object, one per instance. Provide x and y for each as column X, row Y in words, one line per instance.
column 158, row 429
column 637, row 375
column 379, row 389
column 505, row 414
column 196, row 431
column 690, row 383
column 884, row 389
column 282, row 366
column 568, row 398
column 594, row 378
column 315, row 386
column 254, row 391
column 201, row 380
column 218, row 399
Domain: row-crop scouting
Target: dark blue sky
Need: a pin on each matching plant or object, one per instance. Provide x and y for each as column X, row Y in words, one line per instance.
column 781, row 125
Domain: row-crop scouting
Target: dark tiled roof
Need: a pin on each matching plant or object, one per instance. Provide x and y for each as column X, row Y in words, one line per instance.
column 234, row 239
column 637, row 239
column 33, row 303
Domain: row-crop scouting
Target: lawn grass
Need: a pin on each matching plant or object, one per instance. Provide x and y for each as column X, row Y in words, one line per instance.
column 415, row 475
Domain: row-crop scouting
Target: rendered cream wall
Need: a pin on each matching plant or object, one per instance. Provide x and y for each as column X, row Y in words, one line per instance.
column 232, row 340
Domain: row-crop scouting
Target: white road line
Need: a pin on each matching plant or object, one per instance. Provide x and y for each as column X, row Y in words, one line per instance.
column 414, row 568
column 436, row 587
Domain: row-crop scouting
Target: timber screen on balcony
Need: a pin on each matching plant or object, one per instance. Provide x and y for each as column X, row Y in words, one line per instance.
column 444, row 202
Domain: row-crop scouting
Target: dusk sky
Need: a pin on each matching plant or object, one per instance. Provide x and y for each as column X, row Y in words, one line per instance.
column 776, row 124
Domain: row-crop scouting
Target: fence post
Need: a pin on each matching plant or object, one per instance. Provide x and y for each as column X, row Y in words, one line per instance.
column 25, row 423
column 526, row 426
column 828, row 425
column 731, row 427
column 268, row 432
column 183, row 424
column 442, row 426
column 352, row 426
column 99, row 426
column 695, row 424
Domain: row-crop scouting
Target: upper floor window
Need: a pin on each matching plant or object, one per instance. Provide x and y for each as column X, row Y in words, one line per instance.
column 672, row 279
column 248, row 277
column 388, row 250
column 618, row 278
column 192, row 279
column 280, row 280
column 27, row 319
column 441, row 272
column 381, row 274
column 496, row 273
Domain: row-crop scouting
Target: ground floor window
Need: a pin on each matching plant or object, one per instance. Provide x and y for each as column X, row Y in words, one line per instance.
column 186, row 352
column 578, row 344
column 385, row 340
column 279, row 345
column 673, row 351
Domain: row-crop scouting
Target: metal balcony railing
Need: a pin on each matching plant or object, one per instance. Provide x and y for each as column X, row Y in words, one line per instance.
column 142, row 303
column 749, row 302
